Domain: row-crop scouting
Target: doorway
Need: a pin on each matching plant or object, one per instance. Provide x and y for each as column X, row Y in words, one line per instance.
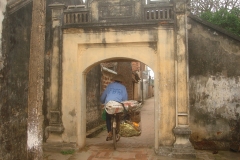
column 84, row 49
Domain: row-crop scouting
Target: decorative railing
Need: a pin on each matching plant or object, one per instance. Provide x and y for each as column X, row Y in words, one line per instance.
column 81, row 15
column 76, row 15
column 158, row 13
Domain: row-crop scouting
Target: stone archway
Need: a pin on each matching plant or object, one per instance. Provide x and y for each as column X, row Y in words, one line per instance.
column 162, row 47
column 87, row 55
column 83, row 49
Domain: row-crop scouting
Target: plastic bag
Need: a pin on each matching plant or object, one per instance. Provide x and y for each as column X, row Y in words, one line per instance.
column 113, row 107
column 132, row 105
column 131, row 122
column 104, row 115
column 129, row 129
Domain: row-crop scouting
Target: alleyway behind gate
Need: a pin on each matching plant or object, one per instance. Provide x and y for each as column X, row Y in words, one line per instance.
column 130, row 148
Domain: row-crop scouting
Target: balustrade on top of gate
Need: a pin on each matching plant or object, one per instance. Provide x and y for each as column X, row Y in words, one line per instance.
column 119, row 13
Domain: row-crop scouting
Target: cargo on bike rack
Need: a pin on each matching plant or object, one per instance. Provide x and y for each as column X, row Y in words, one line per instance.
column 129, row 116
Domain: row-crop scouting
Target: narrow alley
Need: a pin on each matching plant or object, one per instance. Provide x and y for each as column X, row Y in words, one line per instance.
column 146, row 139
column 131, row 148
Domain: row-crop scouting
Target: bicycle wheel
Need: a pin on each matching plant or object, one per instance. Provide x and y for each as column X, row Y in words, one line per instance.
column 114, row 133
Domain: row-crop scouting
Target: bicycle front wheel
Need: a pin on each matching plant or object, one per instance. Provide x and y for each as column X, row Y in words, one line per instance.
column 114, row 133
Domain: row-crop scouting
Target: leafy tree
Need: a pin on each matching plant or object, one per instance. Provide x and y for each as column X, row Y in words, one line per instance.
column 224, row 13
column 198, row 7
column 227, row 19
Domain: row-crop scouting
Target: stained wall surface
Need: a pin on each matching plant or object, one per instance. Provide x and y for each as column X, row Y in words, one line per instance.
column 214, row 62
column 14, row 84
column 3, row 4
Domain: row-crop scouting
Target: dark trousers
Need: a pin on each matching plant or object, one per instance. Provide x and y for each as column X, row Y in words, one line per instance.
column 108, row 122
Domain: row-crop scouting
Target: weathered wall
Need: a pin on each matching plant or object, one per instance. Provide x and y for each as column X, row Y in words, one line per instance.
column 166, row 90
column 52, row 81
column 47, row 66
column 214, row 62
column 93, row 111
column 14, row 90
column 2, row 10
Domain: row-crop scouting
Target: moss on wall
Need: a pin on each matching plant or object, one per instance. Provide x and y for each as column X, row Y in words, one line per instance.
column 214, row 59
column 14, row 98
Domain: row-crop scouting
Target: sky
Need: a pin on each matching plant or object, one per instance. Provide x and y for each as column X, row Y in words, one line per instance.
column 151, row 72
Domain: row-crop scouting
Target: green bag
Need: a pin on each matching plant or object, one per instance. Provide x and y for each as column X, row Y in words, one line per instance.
column 104, row 114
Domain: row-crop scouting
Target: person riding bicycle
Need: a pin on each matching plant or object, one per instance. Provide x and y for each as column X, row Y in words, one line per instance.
column 115, row 91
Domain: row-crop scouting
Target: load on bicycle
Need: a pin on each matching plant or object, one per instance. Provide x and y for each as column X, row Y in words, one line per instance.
column 128, row 116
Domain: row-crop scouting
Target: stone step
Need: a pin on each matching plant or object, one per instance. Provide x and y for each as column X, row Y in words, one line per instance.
column 95, row 131
column 58, row 146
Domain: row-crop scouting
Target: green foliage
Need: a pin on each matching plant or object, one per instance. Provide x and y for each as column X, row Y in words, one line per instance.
column 229, row 20
column 68, row 152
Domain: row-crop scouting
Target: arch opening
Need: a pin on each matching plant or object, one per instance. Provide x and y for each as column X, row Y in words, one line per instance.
column 139, row 84
column 75, row 98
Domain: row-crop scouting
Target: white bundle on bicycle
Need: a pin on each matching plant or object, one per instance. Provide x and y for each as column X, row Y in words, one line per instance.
column 113, row 107
column 131, row 126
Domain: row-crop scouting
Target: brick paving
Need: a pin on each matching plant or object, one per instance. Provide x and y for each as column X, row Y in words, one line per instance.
column 132, row 148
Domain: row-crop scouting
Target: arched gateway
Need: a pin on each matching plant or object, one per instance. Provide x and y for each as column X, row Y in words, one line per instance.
column 153, row 33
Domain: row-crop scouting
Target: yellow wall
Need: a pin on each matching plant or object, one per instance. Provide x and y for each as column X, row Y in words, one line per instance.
column 83, row 49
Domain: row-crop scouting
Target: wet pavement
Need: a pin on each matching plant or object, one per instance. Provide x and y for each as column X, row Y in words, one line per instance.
column 131, row 148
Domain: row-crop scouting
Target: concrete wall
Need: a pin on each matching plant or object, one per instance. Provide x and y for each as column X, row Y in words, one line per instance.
column 214, row 62
column 14, row 83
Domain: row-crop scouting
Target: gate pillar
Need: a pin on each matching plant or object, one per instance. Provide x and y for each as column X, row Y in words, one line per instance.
column 182, row 147
column 55, row 128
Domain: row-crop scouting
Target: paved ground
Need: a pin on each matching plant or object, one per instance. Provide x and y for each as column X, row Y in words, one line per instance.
column 132, row 148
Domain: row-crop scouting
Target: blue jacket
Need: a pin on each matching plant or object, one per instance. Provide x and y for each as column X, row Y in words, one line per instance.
column 116, row 92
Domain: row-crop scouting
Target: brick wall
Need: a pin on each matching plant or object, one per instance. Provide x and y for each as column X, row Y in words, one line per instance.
column 106, row 79
column 97, row 81
column 135, row 66
column 125, row 68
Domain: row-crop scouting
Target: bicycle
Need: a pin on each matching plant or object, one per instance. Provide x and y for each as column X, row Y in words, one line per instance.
column 117, row 117
column 115, row 129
